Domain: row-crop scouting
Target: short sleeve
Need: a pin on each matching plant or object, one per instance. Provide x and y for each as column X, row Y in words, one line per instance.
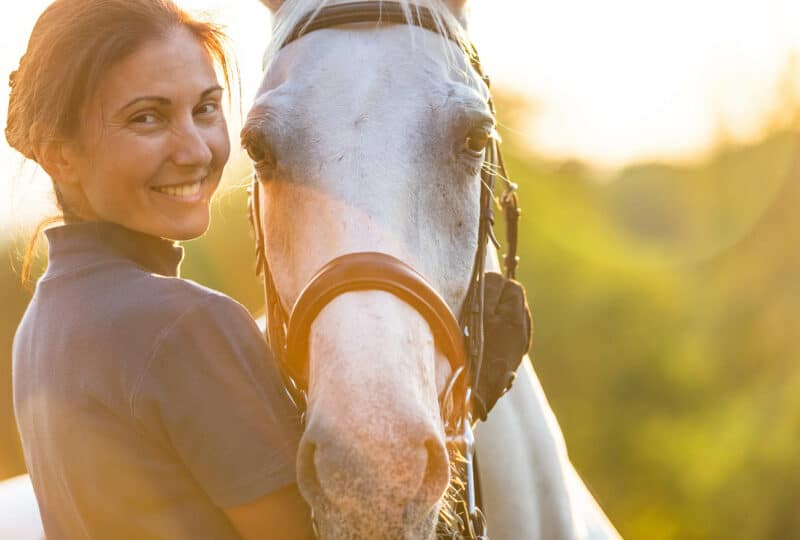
column 219, row 401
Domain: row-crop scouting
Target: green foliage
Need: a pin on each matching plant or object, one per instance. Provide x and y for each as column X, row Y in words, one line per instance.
column 13, row 299
column 666, row 333
column 666, row 337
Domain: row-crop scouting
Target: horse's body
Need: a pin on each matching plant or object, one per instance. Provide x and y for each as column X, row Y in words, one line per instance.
column 359, row 134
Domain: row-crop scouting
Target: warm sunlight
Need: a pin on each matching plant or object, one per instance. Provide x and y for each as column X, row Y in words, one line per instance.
column 609, row 82
column 655, row 145
column 626, row 79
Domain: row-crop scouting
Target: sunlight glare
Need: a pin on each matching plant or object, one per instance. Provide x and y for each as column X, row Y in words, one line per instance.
column 622, row 80
column 609, row 82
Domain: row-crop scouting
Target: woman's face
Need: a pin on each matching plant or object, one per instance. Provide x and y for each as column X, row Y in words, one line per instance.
column 154, row 140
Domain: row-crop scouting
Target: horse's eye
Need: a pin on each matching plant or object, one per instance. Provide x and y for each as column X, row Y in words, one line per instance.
column 257, row 153
column 257, row 147
column 478, row 139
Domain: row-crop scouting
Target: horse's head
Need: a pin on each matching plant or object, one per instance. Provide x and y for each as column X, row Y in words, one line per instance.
column 369, row 138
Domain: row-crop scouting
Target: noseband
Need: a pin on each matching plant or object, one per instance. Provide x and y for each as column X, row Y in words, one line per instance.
column 368, row 272
column 462, row 340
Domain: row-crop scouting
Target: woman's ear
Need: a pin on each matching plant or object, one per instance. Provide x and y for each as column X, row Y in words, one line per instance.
column 273, row 5
column 63, row 162
column 60, row 160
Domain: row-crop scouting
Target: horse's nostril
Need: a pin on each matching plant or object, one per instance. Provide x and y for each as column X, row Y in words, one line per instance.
column 437, row 474
column 307, row 479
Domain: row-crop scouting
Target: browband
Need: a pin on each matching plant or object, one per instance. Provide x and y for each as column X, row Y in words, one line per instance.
column 363, row 12
column 378, row 12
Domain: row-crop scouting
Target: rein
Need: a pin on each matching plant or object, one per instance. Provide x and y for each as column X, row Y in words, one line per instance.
column 461, row 339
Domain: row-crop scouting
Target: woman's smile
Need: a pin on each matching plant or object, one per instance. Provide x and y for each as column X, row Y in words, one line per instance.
column 186, row 192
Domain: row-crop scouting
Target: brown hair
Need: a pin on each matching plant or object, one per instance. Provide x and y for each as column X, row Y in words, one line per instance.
column 72, row 46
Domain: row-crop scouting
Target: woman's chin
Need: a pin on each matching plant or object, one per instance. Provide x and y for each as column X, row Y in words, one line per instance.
column 187, row 231
column 189, row 228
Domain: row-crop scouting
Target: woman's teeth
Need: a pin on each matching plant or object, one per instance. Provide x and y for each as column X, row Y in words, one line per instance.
column 181, row 191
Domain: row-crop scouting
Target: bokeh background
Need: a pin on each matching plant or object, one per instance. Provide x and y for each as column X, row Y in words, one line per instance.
column 657, row 147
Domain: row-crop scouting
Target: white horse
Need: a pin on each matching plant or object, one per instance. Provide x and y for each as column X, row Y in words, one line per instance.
column 363, row 133
column 360, row 133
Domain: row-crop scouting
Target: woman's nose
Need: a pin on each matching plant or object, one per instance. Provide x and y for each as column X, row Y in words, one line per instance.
column 191, row 148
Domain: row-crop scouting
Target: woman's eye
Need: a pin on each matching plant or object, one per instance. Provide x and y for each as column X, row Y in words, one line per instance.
column 478, row 139
column 207, row 108
column 145, row 119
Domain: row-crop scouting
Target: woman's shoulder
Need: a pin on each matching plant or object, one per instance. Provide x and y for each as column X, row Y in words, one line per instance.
column 149, row 306
column 213, row 336
column 196, row 330
column 186, row 301
column 140, row 307
column 203, row 303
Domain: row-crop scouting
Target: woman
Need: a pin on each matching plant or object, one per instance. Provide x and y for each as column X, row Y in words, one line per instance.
column 148, row 405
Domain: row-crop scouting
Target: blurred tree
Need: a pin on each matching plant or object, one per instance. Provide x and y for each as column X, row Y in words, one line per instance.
column 13, row 298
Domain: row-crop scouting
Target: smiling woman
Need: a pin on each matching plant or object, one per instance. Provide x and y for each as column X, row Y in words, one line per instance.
column 147, row 405
column 65, row 111
column 155, row 125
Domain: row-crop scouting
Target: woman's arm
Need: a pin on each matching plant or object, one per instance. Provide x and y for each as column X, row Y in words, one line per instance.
column 215, row 396
column 280, row 514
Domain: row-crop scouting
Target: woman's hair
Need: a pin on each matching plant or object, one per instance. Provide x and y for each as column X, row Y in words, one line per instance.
column 72, row 46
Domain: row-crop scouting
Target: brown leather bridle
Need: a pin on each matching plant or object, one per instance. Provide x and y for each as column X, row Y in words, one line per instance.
column 367, row 272
column 460, row 340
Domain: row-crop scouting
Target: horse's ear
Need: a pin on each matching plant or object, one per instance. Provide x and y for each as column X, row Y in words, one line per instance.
column 459, row 9
column 458, row 6
column 273, row 5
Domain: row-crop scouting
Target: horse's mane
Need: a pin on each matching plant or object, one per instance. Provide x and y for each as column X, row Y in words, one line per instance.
column 292, row 11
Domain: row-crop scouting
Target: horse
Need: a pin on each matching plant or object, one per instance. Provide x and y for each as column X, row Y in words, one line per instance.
column 368, row 138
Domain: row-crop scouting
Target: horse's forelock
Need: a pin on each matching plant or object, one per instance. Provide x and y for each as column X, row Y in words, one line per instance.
column 446, row 14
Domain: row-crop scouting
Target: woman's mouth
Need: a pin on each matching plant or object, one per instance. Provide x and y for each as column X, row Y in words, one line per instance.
column 186, row 191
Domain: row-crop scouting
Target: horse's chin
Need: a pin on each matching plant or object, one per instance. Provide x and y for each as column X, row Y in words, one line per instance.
column 367, row 524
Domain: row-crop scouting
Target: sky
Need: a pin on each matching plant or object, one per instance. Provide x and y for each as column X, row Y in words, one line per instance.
column 610, row 82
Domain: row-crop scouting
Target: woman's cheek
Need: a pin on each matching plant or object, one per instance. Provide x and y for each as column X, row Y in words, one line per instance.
column 148, row 152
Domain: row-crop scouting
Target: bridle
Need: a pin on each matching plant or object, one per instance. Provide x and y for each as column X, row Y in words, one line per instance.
column 462, row 339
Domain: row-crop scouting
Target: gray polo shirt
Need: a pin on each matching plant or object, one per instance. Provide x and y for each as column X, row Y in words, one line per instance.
column 145, row 402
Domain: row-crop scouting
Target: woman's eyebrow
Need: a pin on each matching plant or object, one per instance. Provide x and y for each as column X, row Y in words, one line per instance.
column 160, row 100
column 165, row 101
column 211, row 90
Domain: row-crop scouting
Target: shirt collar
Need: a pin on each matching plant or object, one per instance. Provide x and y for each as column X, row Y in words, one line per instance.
column 78, row 243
